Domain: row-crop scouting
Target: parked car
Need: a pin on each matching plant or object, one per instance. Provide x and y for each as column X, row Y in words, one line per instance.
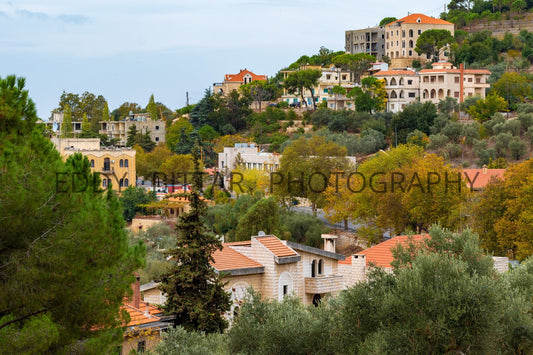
column 295, row 104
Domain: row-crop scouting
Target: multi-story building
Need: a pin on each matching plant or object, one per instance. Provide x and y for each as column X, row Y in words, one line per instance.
column 330, row 77
column 247, row 155
column 369, row 40
column 407, row 86
column 142, row 122
column 234, row 81
column 116, row 166
column 401, row 37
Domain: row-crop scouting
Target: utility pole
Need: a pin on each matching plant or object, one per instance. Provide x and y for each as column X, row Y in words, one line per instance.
column 187, row 96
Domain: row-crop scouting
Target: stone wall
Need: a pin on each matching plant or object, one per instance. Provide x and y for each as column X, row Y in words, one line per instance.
column 513, row 24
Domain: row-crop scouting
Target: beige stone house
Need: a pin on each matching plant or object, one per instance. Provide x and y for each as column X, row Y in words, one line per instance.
column 142, row 122
column 234, row 81
column 401, row 37
column 116, row 166
column 407, row 86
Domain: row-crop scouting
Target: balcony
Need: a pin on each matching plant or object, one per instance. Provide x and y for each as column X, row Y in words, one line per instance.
column 323, row 284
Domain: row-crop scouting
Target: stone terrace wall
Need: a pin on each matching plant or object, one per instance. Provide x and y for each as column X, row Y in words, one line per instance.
column 512, row 23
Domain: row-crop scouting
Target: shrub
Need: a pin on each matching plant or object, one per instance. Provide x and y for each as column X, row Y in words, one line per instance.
column 517, row 148
column 437, row 141
column 453, row 150
column 483, row 152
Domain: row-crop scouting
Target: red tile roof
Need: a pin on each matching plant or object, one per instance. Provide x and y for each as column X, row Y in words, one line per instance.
column 413, row 18
column 276, row 246
column 395, row 72
column 381, row 254
column 146, row 313
column 483, row 177
column 230, row 259
column 347, row 261
column 240, row 77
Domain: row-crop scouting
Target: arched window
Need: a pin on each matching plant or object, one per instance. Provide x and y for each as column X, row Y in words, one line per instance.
column 433, row 93
column 107, row 164
column 126, row 163
column 285, row 285
column 401, row 95
column 401, row 82
column 410, row 33
column 411, row 44
column 121, row 163
column 121, row 183
column 92, row 163
column 393, row 81
column 385, row 79
column 126, row 182
column 393, row 95
column 104, row 183
column 320, row 266
column 313, row 268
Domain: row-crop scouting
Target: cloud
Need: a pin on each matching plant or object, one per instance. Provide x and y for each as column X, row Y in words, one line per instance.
column 32, row 14
column 76, row 19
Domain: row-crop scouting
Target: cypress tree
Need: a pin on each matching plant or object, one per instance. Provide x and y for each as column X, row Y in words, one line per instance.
column 195, row 293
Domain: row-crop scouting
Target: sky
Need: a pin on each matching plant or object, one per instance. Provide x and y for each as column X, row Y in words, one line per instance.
column 128, row 50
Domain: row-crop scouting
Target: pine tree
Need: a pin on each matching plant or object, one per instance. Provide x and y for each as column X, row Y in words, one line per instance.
column 151, row 108
column 132, row 136
column 195, row 293
column 65, row 263
column 105, row 112
column 66, row 125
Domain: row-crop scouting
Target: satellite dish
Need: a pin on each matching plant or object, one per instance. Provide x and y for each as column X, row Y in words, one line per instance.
column 261, row 234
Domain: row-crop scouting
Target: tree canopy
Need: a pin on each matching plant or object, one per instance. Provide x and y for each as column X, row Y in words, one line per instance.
column 431, row 42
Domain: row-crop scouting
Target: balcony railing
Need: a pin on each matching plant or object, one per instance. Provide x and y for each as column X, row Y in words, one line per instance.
column 323, row 284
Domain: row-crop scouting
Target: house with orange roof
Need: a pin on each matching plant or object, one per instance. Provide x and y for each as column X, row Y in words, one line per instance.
column 401, row 37
column 234, row 81
column 478, row 179
column 276, row 268
column 143, row 331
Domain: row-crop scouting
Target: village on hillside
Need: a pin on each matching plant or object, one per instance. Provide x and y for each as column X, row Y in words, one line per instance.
column 374, row 199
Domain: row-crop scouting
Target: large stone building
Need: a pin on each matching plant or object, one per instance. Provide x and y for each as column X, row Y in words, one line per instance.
column 142, row 122
column 369, row 40
column 401, row 37
column 116, row 166
column 234, row 81
column 407, row 86
column 249, row 156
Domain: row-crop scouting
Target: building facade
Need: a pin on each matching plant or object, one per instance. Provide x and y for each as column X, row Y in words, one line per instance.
column 234, row 81
column 116, row 166
column 369, row 40
column 401, row 37
column 142, row 122
column 407, row 86
column 247, row 155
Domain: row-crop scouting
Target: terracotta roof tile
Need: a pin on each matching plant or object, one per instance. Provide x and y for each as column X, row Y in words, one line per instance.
column 230, row 259
column 276, row 246
column 482, row 178
column 395, row 72
column 240, row 77
column 347, row 261
column 146, row 313
column 413, row 18
column 381, row 254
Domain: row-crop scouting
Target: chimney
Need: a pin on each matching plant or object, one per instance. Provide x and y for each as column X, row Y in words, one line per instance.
column 136, row 287
column 485, row 169
column 461, row 82
column 329, row 242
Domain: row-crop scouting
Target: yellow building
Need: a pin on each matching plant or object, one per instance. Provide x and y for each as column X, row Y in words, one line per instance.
column 401, row 37
column 116, row 166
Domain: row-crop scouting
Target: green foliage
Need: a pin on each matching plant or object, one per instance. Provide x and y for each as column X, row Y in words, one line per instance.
column 301, row 80
column 132, row 198
column 416, row 116
column 387, row 20
column 437, row 141
column 59, row 240
column 486, row 108
column 262, row 216
column 358, row 63
column 418, row 138
column 514, row 87
column 195, row 293
column 151, row 108
column 431, row 42
column 178, row 341
column 483, row 152
column 303, row 228
column 66, row 125
column 371, row 96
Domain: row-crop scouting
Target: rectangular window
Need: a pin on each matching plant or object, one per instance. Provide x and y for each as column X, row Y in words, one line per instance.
column 419, row 32
column 285, row 289
column 157, row 128
column 456, row 94
column 325, row 91
column 412, row 94
column 141, row 346
column 469, row 80
column 409, row 82
column 457, row 79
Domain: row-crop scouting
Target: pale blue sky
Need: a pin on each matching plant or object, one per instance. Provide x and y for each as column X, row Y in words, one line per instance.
column 126, row 50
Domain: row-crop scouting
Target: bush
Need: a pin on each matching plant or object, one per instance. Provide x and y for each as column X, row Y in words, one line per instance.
column 517, row 147
column 453, row 150
column 282, row 104
column 181, row 342
column 453, row 130
column 494, row 120
column 502, row 143
column 303, row 228
column 512, row 127
column 440, row 122
column 483, row 152
column 437, row 141
column 470, row 132
column 526, row 120
column 337, row 124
